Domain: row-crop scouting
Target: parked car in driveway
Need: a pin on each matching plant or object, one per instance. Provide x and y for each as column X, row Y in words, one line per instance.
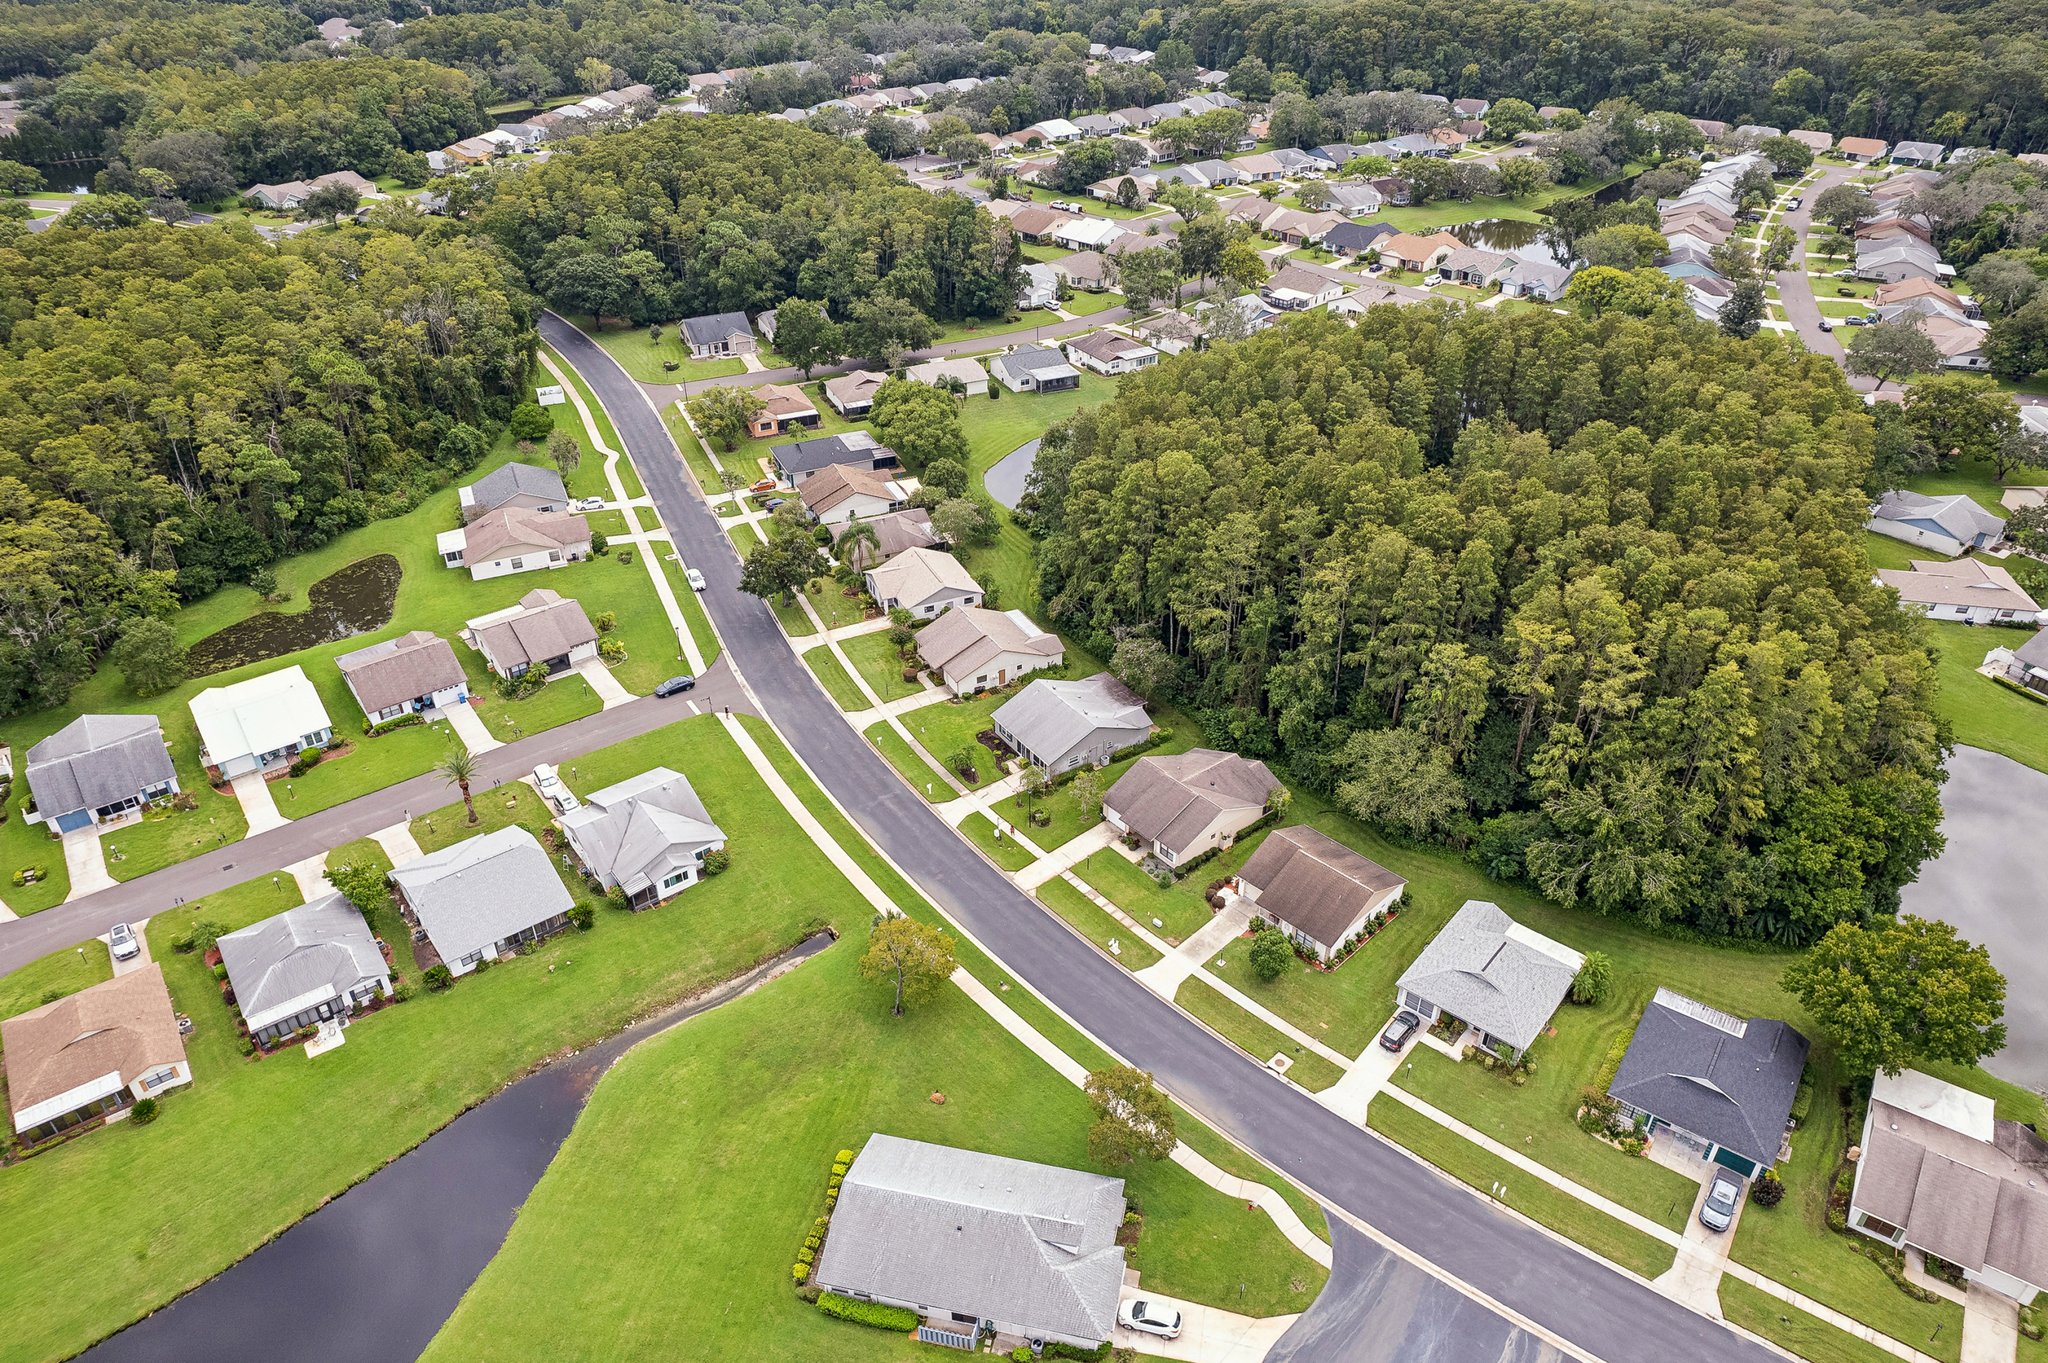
column 553, row 791
column 1400, row 1030
column 1724, row 1195
column 676, row 686
column 1859, row 320
column 121, row 942
column 694, row 578
column 764, row 485
column 1149, row 1317
column 587, row 504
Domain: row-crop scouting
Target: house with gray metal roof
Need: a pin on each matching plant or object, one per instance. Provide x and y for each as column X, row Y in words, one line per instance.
column 406, row 675
column 647, row 836
column 99, row 767
column 1034, row 369
column 1060, row 725
column 1320, row 892
column 1182, row 805
column 1947, row 525
column 717, row 334
column 526, row 486
column 1498, row 977
column 969, row 1240
column 303, row 967
column 1716, row 1083
column 480, row 898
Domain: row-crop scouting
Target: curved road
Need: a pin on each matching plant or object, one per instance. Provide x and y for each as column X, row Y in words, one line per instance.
column 1579, row 1299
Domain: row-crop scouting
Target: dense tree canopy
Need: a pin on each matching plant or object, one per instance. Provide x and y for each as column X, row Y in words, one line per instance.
column 1586, row 591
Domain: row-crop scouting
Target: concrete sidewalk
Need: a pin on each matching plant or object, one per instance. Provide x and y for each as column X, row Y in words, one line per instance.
column 609, row 691
column 1066, row 856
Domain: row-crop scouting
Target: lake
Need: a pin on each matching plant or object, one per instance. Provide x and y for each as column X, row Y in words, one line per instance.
column 351, row 600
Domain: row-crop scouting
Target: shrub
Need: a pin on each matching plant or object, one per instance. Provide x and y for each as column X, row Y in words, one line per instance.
column 1021, row 1354
column 806, row 1255
column 1595, row 978
column 1271, row 954
column 583, row 916
column 402, row 722
column 1767, row 1191
column 838, row 1169
column 606, row 621
column 611, row 649
column 873, row 1313
column 599, row 545
column 1057, row 1349
column 799, row 1272
column 843, row 1157
column 304, row 762
column 716, row 862
column 144, row 1112
column 807, row 1293
column 439, row 977
column 625, row 555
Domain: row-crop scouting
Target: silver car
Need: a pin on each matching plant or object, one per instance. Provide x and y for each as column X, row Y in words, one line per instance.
column 549, row 780
column 1149, row 1317
column 1724, row 1196
column 121, row 942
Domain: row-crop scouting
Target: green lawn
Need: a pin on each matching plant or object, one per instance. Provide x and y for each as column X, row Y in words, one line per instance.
column 945, row 727
column 405, row 1072
column 1886, row 552
column 694, row 457
column 515, row 802
column 876, row 659
column 1086, row 304
column 921, row 775
column 1983, row 713
column 565, row 698
column 693, row 609
column 25, row 846
column 1257, row 1039
column 605, row 430
column 53, row 977
column 1425, row 217
column 645, row 359
column 834, row 679
column 789, row 613
column 1787, row 1326
column 1045, row 254
column 1086, row 918
column 835, row 605
column 1537, row 1200
column 977, row 829
column 1175, row 913
column 995, row 427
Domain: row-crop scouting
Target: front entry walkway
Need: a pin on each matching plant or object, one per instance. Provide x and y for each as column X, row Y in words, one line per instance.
column 1228, row 924
column 470, row 729
column 311, row 875
column 85, row 862
column 257, row 805
column 604, row 683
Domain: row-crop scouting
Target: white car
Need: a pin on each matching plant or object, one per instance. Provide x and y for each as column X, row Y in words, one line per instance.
column 1149, row 1317
column 587, row 504
column 121, row 941
column 553, row 791
column 694, row 578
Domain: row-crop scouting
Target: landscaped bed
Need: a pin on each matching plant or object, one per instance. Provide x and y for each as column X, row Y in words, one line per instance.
column 947, row 727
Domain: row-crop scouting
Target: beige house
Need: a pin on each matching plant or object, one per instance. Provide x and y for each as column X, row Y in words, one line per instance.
column 852, row 394
column 1181, row 805
column 92, row 1054
column 545, row 630
column 924, row 582
column 1965, row 589
column 969, row 374
column 973, row 649
column 839, row 493
column 515, row 540
column 1320, row 892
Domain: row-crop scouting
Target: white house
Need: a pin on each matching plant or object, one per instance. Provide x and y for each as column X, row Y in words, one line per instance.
column 413, row 673
column 304, row 966
column 1057, row 130
column 973, row 649
column 1498, row 977
column 482, row 897
column 924, row 582
column 1041, row 286
column 1060, row 725
column 1110, row 352
column 839, row 493
column 647, row 836
column 1965, row 589
column 97, row 768
column 1947, row 525
column 259, row 723
column 515, row 540
column 545, row 630
column 971, row 377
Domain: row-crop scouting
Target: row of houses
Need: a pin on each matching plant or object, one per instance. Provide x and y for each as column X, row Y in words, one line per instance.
column 1704, row 216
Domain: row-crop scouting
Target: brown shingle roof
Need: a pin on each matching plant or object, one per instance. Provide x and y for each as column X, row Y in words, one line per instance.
column 965, row 637
column 898, row 530
column 398, row 670
column 834, row 483
column 511, row 528
column 785, row 400
column 1172, row 799
column 124, row 1025
column 1974, row 1203
column 1317, row 884
column 547, row 626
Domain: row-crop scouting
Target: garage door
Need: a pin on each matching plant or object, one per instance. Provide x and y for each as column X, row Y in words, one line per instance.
column 75, row 820
column 1741, row 1164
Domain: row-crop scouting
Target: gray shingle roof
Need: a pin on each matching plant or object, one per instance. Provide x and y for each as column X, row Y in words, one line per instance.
column 399, row 670
column 1172, row 799
column 323, row 948
column 850, row 447
column 1494, row 973
column 507, row 481
column 482, row 890
column 97, row 760
column 547, row 625
column 1316, row 884
column 1031, row 359
column 1729, row 1080
column 1031, row 1245
column 716, row 327
column 966, row 637
column 1055, row 718
column 632, row 833
column 1958, row 516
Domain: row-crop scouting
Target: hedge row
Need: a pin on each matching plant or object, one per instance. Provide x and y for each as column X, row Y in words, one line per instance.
column 897, row 1318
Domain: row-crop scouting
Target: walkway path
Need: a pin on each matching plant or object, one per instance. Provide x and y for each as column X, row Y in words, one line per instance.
column 259, row 807
column 398, row 843
column 85, row 861
column 311, row 875
column 609, row 690
column 469, row 727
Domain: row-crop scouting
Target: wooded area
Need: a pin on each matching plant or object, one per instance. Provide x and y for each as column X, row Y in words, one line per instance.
column 1585, row 594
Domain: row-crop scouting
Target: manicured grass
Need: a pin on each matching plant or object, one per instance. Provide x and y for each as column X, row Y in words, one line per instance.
column 973, row 329
column 405, row 1071
column 1537, row 1200
column 995, row 427
column 564, row 698
column 1098, row 927
column 694, row 457
column 1983, row 713
column 55, row 976
column 977, row 829
column 945, row 727
column 1425, row 217
column 1085, row 304
column 1180, row 910
column 693, row 609
column 1256, row 1038
column 834, row 605
column 788, row 612
column 834, row 679
column 877, row 660
column 1975, row 479
column 1045, row 254
column 24, row 845
column 368, row 764
column 587, row 479
column 605, row 430
column 1787, row 1326
column 497, row 807
column 172, row 835
column 922, row 776
column 645, row 359
column 1886, row 552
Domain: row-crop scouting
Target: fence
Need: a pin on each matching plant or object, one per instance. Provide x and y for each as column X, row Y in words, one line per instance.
column 932, row 1334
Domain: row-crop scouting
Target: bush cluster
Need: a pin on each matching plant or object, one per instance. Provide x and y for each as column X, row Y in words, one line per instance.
column 387, row 726
column 897, row 1318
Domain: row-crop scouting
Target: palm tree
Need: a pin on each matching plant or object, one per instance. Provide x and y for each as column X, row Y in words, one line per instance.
column 857, row 535
column 457, row 769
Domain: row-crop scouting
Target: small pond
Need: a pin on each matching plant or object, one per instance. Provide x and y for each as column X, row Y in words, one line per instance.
column 351, row 600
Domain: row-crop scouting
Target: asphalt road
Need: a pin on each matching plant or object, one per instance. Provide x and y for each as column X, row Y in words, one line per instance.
column 68, row 924
column 1987, row 881
column 1575, row 1296
column 1795, row 287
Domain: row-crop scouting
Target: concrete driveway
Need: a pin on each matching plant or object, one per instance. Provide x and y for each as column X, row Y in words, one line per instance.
column 258, row 805
column 85, row 861
column 1207, row 1335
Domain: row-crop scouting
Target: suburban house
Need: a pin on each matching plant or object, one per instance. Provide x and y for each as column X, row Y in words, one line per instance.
column 1355, row 238
column 1374, row 292
column 414, row 672
column 1947, row 525
column 1534, row 279
column 1491, row 973
column 1406, row 251
column 303, row 967
column 1034, row 369
column 1170, row 332
column 971, row 377
column 1941, row 1174
column 1965, row 589
column 1059, row 725
column 1041, row 286
column 1036, row 223
column 1720, row 1085
column 1961, row 343
column 1086, row 270
column 96, row 768
column 1353, row 199
column 1815, row 141
column 1086, row 234
column 1913, row 291
column 845, row 492
column 500, row 543
column 1182, row 805
column 1918, row 153
column 260, row 722
column 923, row 581
column 1109, row 352
column 784, row 408
column 1863, row 148
column 527, row 487
column 545, row 630
column 1471, row 108
column 973, row 649
column 969, row 1241
column 482, row 897
column 803, row 459
column 910, row 528
column 648, row 836
column 93, row 1053
column 1257, row 167
column 1293, row 289
column 2028, row 664
column 1319, row 892
column 852, row 394
column 1474, row 266
column 1056, row 130
column 719, row 333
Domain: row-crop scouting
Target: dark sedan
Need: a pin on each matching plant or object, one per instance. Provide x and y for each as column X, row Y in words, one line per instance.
column 1404, row 1026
